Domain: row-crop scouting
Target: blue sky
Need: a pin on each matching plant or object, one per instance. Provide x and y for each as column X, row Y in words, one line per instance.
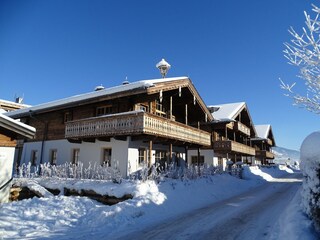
column 231, row 50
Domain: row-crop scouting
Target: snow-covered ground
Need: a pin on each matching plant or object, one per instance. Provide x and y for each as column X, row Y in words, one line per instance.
column 61, row 217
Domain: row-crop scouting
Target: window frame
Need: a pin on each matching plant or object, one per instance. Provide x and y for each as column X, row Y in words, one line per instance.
column 105, row 162
column 75, row 156
column 194, row 160
column 104, row 110
column 34, row 157
column 53, row 157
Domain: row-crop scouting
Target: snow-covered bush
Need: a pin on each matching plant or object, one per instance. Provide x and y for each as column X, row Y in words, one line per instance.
column 69, row 170
column 310, row 166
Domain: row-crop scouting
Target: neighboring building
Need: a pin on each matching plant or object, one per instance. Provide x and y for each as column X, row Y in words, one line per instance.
column 231, row 130
column 123, row 127
column 263, row 144
column 8, row 106
column 10, row 131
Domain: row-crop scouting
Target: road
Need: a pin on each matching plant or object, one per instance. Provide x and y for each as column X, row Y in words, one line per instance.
column 251, row 215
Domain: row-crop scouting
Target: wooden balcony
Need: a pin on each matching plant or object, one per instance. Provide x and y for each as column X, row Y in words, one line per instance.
column 269, row 141
column 264, row 154
column 135, row 123
column 238, row 126
column 232, row 146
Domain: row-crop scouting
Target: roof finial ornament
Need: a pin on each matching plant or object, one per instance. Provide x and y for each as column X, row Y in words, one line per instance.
column 164, row 67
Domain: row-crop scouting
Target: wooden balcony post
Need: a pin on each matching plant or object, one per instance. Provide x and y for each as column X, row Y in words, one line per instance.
column 186, row 155
column 199, row 161
column 186, row 114
column 170, row 107
column 170, row 152
column 150, row 153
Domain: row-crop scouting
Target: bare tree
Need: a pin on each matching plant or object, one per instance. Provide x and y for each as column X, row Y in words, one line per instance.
column 303, row 51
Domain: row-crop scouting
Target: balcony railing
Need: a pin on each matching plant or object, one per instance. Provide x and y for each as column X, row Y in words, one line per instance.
column 264, row 154
column 269, row 141
column 238, row 126
column 232, row 146
column 135, row 123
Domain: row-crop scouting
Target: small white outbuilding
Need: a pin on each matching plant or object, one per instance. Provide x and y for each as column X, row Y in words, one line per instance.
column 10, row 131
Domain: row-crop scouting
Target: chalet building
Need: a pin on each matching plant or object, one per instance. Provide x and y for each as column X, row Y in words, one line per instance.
column 10, row 131
column 263, row 144
column 231, row 130
column 123, row 127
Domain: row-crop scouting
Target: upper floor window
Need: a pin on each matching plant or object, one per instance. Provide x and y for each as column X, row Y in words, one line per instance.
column 160, row 110
column 104, row 110
column 67, row 117
column 141, row 107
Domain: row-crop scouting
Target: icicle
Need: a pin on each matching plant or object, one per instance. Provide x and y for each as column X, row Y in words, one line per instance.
column 160, row 97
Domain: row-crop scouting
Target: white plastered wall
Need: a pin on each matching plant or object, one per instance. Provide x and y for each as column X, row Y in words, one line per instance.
column 124, row 154
column 89, row 152
column 6, row 167
column 208, row 154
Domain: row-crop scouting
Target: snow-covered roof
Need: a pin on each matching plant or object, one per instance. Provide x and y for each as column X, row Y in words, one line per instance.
column 227, row 111
column 95, row 94
column 16, row 126
column 263, row 130
column 22, row 105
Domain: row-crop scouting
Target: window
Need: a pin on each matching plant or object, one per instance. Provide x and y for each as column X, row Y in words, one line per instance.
column 104, row 110
column 67, row 117
column 106, row 157
column 142, row 155
column 141, row 107
column 194, row 160
column 160, row 155
column 53, row 157
column 160, row 110
column 220, row 161
column 75, row 156
column 34, row 157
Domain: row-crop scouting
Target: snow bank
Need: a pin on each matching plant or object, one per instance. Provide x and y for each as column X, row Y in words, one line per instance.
column 62, row 217
column 294, row 224
column 264, row 173
column 310, row 166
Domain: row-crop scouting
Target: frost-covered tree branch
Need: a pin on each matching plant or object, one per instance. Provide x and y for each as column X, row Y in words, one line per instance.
column 303, row 51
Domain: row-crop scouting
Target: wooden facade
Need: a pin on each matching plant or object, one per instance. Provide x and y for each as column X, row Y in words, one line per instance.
column 263, row 144
column 232, row 133
column 166, row 111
